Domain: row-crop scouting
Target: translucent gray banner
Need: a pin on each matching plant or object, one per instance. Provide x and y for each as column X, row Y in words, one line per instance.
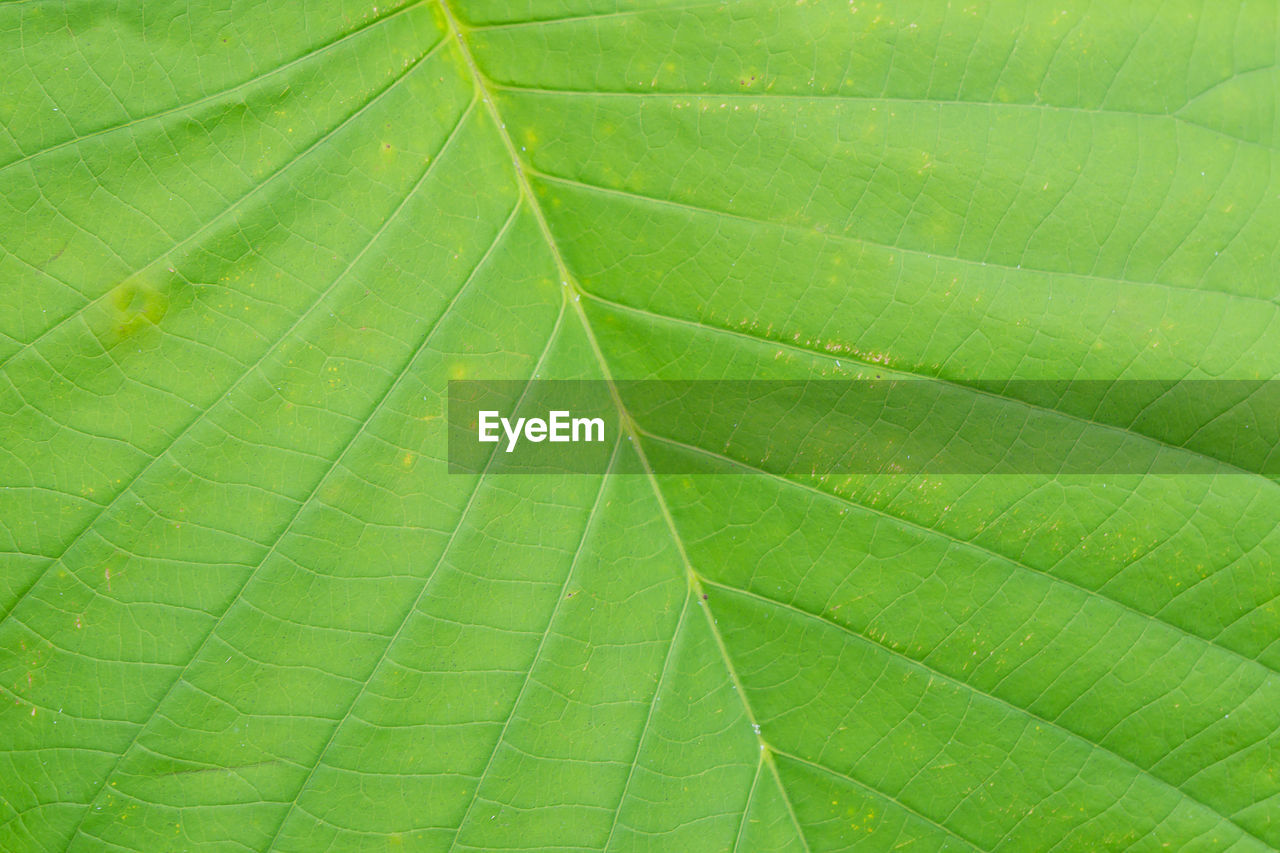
column 889, row 426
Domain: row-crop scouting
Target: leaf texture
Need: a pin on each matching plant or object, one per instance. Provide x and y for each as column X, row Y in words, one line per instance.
column 246, row 245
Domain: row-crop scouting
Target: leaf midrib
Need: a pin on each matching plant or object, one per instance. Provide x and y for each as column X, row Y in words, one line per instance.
column 694, row 581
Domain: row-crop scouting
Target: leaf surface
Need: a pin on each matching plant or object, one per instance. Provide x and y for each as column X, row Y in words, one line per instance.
column 245, row 249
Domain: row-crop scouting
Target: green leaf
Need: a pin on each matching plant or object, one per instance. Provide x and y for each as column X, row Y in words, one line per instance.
column 245, row 246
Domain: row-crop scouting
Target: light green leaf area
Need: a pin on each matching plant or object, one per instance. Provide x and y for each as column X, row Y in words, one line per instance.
column 245, row 245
